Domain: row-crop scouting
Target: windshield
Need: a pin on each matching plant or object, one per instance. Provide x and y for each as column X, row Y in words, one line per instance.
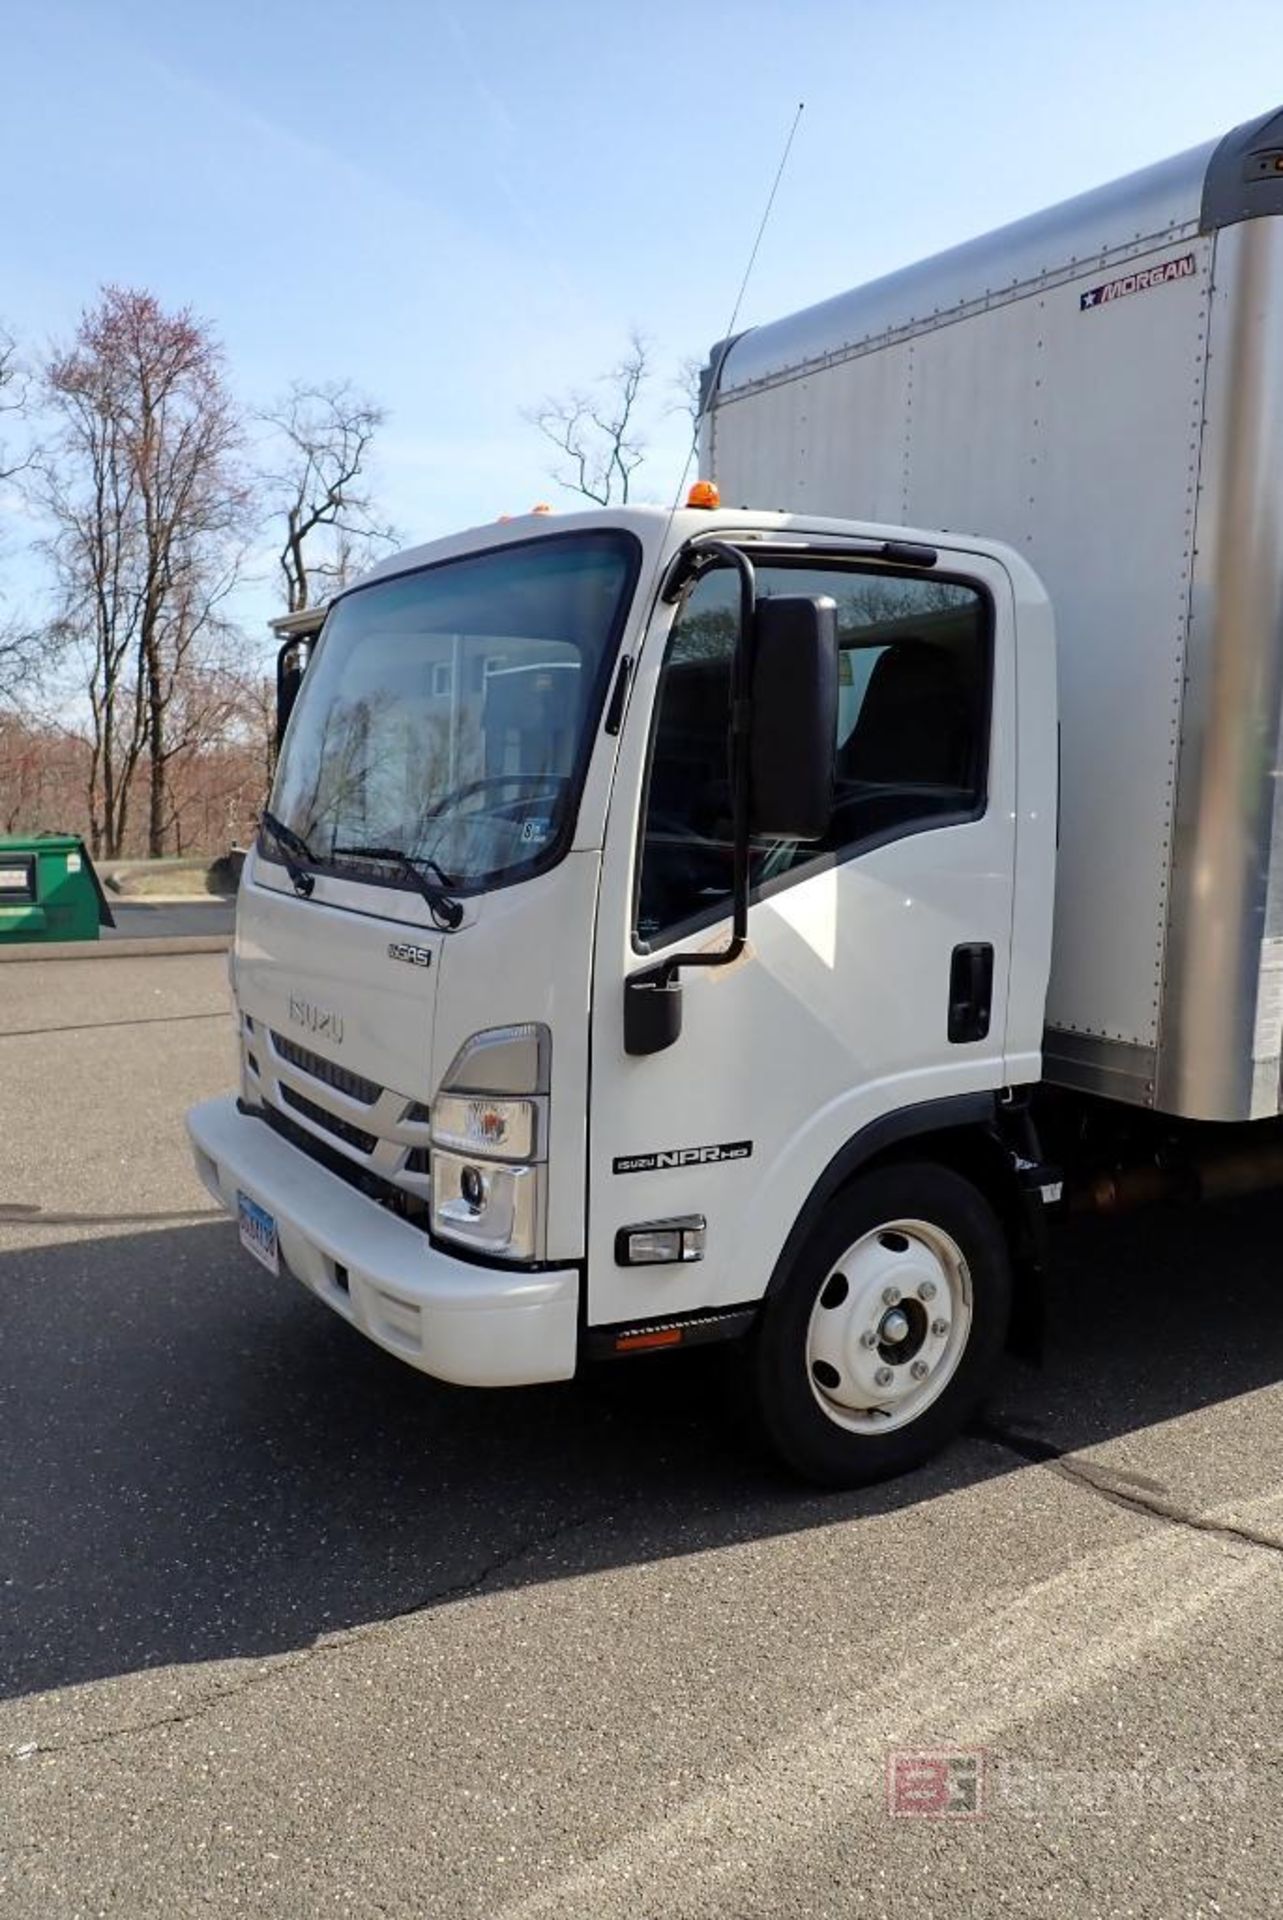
column 449, row 713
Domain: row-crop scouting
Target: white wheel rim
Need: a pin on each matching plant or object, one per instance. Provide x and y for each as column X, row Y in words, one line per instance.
column 889, row 1327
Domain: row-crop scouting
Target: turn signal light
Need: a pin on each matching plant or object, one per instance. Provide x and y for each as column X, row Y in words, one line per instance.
column 704, row 493
column 637, row 1342
column 484, row 1124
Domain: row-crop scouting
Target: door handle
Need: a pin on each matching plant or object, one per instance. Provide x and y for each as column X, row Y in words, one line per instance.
column 970, row 992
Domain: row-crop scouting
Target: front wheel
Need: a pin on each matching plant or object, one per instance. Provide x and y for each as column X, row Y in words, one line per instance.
column 887, row 1330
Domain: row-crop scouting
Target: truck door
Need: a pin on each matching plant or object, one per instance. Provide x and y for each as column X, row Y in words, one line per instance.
column 877, row 968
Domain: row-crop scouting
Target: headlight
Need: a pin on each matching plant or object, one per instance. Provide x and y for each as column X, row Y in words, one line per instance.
column 491, row 1208
column 489, row 1144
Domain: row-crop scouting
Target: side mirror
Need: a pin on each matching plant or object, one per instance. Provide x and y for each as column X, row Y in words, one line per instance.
column 291, row 664
column 795, row 703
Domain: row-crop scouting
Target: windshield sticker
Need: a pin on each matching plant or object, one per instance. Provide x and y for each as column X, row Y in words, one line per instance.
column 1182, row 268
column 666, row 1157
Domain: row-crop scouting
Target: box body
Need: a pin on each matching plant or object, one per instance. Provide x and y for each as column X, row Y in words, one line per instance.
column 1101, row 386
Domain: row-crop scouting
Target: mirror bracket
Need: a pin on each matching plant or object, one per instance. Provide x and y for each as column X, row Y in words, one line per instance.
column 291, row 664
column 653, row 997
column 781, row 783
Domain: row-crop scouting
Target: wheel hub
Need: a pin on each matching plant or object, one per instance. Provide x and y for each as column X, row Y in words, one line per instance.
column 889, row 1326
column 894, row 1329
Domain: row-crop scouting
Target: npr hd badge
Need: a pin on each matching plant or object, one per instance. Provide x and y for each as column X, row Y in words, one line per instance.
column 666, row 1157
column 1144, row 281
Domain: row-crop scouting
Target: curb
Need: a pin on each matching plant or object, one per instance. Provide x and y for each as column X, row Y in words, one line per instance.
column 126, row 902
column 120, row 949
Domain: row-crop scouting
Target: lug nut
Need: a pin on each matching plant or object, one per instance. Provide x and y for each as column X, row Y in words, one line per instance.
column 927, row 1291
column 870, row 1338
column 890, row 1296
column 919, row 1369
column 882, row 1378
column 939, row 1328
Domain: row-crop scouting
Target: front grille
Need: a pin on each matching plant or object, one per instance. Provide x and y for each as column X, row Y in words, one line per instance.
column 341, row 1129
column 342, row 1079
column 417, row 1161
column 408, row 1206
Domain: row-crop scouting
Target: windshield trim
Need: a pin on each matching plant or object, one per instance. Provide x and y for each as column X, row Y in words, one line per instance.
column 359, row 873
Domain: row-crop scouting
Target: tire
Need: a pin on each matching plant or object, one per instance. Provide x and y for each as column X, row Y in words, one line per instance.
column 887, row 1330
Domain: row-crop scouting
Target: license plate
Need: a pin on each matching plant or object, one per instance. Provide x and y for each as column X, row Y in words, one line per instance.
column 258, row 1232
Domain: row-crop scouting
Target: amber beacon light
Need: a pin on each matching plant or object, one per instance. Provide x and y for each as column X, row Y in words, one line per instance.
column 704, row 493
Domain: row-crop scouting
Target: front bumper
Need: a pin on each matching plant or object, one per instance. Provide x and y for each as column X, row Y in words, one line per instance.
column 477, row 1326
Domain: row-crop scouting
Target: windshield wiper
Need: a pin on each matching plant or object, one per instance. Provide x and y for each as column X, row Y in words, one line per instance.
column 446, row 911
column 290, row 842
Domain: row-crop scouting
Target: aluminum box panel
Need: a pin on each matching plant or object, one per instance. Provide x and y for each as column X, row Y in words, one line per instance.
column 1131, row 447
column 1006, row 423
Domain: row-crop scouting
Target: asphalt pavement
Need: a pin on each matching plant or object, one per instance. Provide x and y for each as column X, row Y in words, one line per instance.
column 286, row 1629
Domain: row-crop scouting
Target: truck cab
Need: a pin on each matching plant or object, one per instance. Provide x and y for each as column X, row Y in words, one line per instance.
column 647, row 942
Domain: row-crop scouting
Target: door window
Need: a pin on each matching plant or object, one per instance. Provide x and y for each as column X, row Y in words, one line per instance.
column 911, row 746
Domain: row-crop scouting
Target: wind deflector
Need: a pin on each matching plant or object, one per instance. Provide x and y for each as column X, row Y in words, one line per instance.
column 1244, row 179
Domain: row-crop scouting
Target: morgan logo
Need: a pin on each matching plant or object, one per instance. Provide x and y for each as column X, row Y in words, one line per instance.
column 1184, row 267
column 322, row 1021
column 666, row 1158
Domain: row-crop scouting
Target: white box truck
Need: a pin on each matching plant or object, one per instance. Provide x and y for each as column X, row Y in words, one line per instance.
column 745, row 922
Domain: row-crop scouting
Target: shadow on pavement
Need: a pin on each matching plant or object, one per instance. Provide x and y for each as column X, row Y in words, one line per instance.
column 203, row 1463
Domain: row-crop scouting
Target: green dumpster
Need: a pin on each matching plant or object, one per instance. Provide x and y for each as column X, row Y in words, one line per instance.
column 49, row 890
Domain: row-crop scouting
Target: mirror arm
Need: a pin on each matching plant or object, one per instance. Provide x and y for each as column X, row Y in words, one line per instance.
column 785, row 655
column 653, row 997
column 740, row 735
column 283, row 650
column 293, row 644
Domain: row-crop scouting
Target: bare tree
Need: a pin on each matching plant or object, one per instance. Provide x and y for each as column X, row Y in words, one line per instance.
column 213, row 749
column 13, row 402
column 24, row 651
column 320, row 490
column 21, row 648
column 596, row 433
column 150, row 511
column 42, row 780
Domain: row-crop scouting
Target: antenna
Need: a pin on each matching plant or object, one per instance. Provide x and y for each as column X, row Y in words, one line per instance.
column 715, row 372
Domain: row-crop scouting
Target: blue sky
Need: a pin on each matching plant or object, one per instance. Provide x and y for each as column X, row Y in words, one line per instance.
column 464, row 206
